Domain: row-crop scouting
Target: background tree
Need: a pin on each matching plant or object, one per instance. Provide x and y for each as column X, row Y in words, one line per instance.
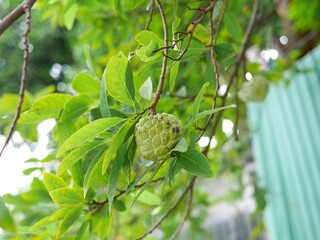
column 143, row 57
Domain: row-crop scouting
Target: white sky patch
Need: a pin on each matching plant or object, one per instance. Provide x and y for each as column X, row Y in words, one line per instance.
column 12, row 161
column 204, row 141
column 213, row 142
column 227, row 126
column 248, row 76
column 222, row 90
column 283, row 40
column 268, row 54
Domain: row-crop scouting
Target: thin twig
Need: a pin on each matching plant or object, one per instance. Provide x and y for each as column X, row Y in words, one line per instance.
column 190, row 32
column 97, row 206
column 236, row 121
column 164, row 62
column 184, row 217
column 170, row 210
column 8, row 20
column 243, row 48
column 151, row 11
column 23, row 77
column 215, row 69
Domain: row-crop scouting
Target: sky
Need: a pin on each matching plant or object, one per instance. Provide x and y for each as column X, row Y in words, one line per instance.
column 12, row 161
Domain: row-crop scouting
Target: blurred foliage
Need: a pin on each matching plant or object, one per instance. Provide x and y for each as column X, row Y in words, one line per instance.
column 41, row 41
column 94, row 184
column 304, row 15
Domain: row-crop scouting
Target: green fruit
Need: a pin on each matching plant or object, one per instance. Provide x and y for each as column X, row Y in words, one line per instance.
column 156, row 135
column 254, row 91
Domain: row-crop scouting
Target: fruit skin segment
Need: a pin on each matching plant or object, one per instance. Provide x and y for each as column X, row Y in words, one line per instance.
column 157, row 134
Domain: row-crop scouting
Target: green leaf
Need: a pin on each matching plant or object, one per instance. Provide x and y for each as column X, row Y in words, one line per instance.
column 9, row 102
column 138, row 178
column 42, row 223
column 149, row 198
column 208, row 112
column 145, row 37
column 146, row 89
column 88, row 132
column 49, row 106
column 173, row 169
column 6, row 221
column 135, row 3
column 76, row 155
column 182, row 146
column 201, row 33
column 121, row 135
column 69, row 219
column 53, row 182
column 173, row 75
column 82, row 230
column 67, row 195
column 104, row 105
column 115, row 173
column 147, row 183
column 70, row 15
column 233, row 26
column 61, row 213
column 89, row 61
column 84, row 83
column 132, row 147
column 94, row 170
column 64, row 131
column 74, row 108
column 197, row 101
column 223, row 51
column 144, row 56
column 119, row 205
column 175, row 25
column 119, row 79
column 151, row 49
column 195, row 163
column 45, row 91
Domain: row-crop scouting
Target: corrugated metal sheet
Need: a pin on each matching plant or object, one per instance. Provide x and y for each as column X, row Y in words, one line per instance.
column 286, row 145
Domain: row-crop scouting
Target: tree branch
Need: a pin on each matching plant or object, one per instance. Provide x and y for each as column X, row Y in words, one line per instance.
column 215, row 69
column 234, row 74
column 164, row 62
column 8, row 20
column 97, row 206
column 190, row 32
column 26, row 9
column 184, row 217
column 157, row 224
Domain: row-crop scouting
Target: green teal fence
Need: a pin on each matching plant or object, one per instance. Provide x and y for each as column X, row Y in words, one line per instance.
column 286, row 146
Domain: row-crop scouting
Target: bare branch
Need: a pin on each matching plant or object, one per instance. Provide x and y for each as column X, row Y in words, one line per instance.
column 23, row 77
column 157, row 224
column 8, row 20
column 164, row 62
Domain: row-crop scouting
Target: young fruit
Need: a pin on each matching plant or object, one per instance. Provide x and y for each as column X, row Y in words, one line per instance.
column 157, row 134
column 254, row 91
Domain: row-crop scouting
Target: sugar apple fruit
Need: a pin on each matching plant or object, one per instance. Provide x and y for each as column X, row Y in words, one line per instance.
column 157, row 134
column 254, row 91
